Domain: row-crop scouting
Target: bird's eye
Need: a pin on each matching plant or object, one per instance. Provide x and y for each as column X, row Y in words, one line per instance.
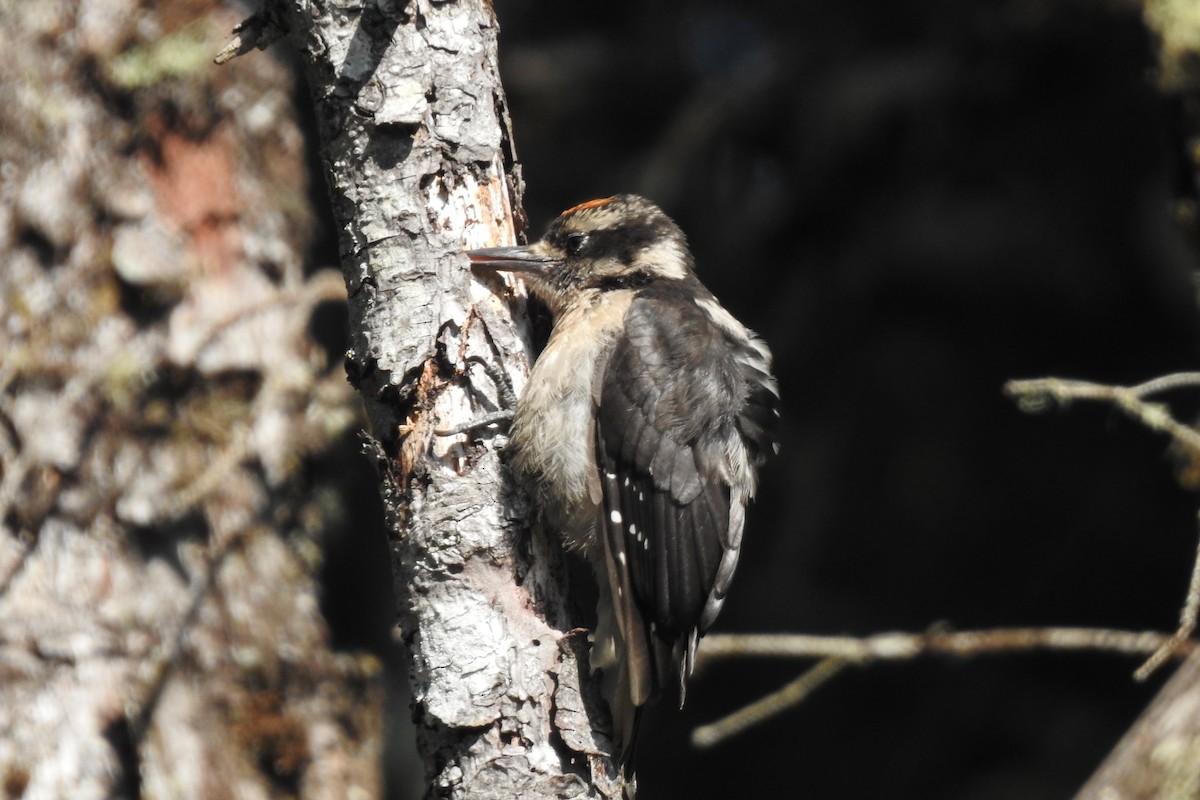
column 576, row 242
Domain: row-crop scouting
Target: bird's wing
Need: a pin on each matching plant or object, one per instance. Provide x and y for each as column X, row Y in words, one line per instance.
column 680, row 424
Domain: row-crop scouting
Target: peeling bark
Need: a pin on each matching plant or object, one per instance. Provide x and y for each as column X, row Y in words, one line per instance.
column 420, row 163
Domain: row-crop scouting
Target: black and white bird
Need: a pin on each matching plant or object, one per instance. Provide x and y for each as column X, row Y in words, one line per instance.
column 640, row 434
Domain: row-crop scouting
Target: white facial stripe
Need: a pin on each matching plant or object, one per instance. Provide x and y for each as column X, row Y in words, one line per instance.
column 664, row 257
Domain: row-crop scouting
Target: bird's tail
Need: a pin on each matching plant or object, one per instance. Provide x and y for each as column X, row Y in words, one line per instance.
column 627, row 719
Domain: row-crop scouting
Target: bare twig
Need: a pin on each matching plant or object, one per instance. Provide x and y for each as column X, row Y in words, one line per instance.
column 1187, row 624
column 760, row 710
column 838, row 652
column 898, row 646
column 1063, row 387
column 256, row 32
column 1038, row 394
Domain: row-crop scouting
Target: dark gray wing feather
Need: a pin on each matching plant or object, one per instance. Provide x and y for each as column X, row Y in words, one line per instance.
column 679, row 402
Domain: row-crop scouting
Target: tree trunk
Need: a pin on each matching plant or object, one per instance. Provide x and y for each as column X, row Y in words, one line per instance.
column 1159, row 758
column 420, row 162
column 160, row 398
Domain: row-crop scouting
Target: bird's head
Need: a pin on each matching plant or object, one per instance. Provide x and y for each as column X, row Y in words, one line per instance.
column 619, row 242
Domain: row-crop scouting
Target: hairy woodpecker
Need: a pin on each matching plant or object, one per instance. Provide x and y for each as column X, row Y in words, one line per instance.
column 640, row 434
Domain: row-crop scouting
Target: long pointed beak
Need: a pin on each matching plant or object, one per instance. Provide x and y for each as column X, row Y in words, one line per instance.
column 510, row 259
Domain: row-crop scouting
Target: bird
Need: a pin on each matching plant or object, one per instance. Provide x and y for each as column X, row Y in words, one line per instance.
column 639, row 435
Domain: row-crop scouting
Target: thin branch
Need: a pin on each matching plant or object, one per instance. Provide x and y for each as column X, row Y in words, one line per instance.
column 897, row 646
column 1187, row 623
column 1038, row 394
column 256, row 32
column 763, row 709
column 1099, row 391
column 1166, row 383
column 838, row 652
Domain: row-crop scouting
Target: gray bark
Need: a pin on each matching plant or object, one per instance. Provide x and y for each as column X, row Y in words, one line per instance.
column 420, row 163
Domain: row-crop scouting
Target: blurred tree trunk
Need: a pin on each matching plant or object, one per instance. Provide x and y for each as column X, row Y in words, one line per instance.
column 1159, row 758
column 420, row 163
column 160, row 396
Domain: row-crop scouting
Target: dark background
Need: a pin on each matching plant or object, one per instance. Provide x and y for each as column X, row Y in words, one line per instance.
column 913, row 202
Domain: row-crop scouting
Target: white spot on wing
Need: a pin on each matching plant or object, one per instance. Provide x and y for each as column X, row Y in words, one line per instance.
column 615, row 516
